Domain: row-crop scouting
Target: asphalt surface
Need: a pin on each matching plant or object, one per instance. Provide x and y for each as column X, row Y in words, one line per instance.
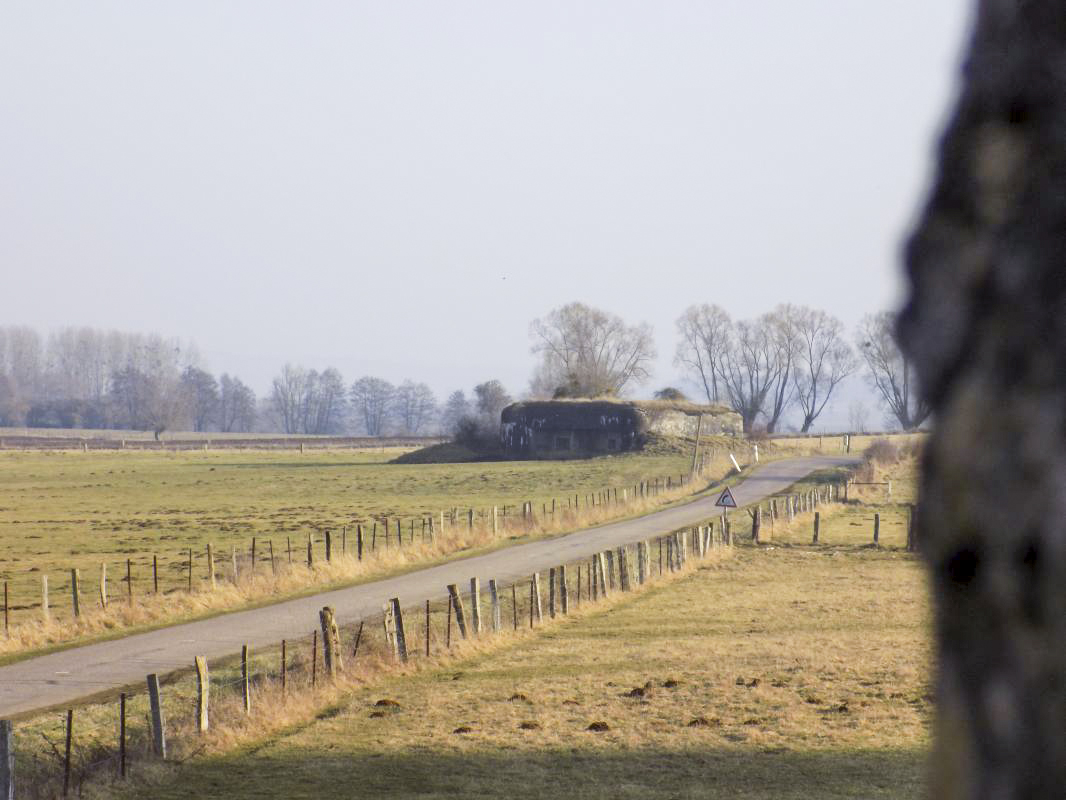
column 80, row 672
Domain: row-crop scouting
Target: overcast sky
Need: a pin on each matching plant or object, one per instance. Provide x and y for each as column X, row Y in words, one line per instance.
column 400, row 188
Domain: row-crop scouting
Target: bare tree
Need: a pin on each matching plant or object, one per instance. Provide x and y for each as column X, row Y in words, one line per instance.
column 858, row 417
column 323, row 403
column 783, row 325
column 492, row 398
column 372, row 400
column 454, row 410
column 286, row 397
column 591, row 352
column 236, row 406
column 414, row 406
column 750, row 368
column 824, row 359
column 890, row 371
column 201, row 393
column 704, row 331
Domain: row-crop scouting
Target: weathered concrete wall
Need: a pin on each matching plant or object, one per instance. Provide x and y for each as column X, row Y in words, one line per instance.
column 669, row 422
column 559, row 429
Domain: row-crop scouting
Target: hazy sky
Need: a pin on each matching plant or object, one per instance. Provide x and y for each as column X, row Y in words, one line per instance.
column 399, row 188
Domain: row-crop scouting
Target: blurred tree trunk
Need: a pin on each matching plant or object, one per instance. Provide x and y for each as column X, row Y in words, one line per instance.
column 986, row 327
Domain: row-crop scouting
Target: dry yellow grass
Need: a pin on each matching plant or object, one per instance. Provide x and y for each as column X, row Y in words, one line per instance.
column 785, row 672
column 809, row 675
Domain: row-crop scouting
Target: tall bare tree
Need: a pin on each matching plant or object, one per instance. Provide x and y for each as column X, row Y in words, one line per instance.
column 414, row 406
column 323, row 403
column 372, row 401
column 890, row 371
column 455, row 409
column 286, row 397
column 704, row 333
column 750, row 368
column 589, row 351
column 201, row 393
column 824, row 360
column 783, row 324
column 491, row 398
column 236, row 405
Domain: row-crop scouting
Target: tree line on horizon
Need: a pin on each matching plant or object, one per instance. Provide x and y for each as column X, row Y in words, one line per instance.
column 790, row 358
column 98, row 379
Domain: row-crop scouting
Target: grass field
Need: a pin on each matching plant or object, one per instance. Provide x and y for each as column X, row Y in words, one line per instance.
column 66, row 510
column 780, row 673
column 785, row 670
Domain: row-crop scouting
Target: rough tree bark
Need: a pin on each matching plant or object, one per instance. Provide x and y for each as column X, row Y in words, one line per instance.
column 986, row 327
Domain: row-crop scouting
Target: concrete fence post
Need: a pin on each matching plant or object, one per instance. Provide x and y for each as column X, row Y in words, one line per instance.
column 155, row 702
column 202, row 693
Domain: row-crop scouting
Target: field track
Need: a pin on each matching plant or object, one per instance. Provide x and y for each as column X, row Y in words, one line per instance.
column 80, row 672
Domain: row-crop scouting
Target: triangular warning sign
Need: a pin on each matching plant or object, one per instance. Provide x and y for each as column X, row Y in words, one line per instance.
column 726, row 500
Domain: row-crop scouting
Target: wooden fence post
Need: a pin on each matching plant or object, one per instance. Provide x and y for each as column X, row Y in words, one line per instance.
column 816, row 526
column 284, row 668
column 756, row 524
column 66, row 752
column 514, row 604
column 103, row 584
column 601, row 563
column 246, row 690
column 203, row 691
column 399, row 637
column 564, row 591
column 427, row 627
column 877, row 528
column 211, row 564
column 7, row 760
column 75, row 591
column 189, row 589
column 475, row 606
column 155, row 701
column 253, row 558
column 642, row 558
column 359, row 542
column 551, row 592
column 494, row 599
column 310, row 552
column 329, row 545
column 623, row 569
column 331, row 641
column 457, row 606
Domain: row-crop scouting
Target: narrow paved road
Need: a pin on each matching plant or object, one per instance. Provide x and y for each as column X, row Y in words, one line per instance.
column 69, row 675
